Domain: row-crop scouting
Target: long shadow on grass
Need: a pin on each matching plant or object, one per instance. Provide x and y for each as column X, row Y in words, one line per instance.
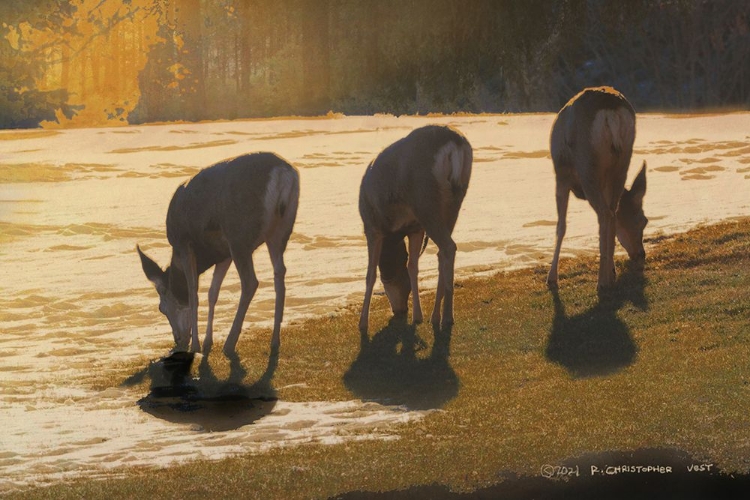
column 597, row 342
column 207, row 402
column 390, row 370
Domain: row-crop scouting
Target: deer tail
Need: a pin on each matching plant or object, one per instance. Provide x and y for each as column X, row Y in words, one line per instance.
column 615, row 127
column 282, row 192
column 424, row 244
column 461, row 159
column 453, row 163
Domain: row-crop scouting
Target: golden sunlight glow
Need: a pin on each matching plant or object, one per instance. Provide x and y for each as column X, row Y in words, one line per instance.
column 99, row 65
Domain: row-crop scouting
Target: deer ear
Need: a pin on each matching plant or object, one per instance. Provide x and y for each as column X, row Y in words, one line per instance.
column 152, row 270
column 638, row 189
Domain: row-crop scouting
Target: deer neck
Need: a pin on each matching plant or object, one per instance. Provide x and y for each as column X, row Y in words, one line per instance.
column 393, row 257
column 177, row 283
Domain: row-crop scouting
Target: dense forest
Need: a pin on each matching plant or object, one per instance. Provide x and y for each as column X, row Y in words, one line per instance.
column 94, row 62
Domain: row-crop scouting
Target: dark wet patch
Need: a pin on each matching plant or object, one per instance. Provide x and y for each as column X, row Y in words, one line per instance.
column 205, row 402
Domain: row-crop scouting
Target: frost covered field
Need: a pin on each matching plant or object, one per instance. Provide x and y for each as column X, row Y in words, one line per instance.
column 74, row 203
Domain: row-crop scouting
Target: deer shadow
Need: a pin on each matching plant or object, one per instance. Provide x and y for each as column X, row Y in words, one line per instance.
column 206, row 402
column 389, row 371
column 597, row 342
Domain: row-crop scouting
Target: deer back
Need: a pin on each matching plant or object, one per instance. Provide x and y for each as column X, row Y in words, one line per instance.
column 427, row 171
column 230, row 203
column 592, row 139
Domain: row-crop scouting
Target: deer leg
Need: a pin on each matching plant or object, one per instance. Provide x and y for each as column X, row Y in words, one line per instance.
column 439, row 294
column 446, row 261
column 220, row 271
column 415, row 245
column 562, row 196
column 276, row 252
column 249, row 284
column 447, row 268
column 606, row 248
column 611, row 241
column 374, row 247
column 617, row 189
column 191, row 276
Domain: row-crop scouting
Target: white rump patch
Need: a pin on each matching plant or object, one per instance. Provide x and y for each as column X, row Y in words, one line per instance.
column 616, row 127
column 449, row 163
column 281, row 188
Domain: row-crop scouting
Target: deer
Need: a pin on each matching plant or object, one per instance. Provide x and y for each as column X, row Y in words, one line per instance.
column 591, row 144
column 220, row 216
column 413, row 190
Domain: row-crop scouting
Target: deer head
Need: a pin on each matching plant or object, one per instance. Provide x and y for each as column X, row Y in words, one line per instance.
column 631, row 220
column 171, row 286
column 394, row 274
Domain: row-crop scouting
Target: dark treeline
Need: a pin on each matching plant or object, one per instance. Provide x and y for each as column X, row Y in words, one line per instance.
column 225, row 59
column 243, row 58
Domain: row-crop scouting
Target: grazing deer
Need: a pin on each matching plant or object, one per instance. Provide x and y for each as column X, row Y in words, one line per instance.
column 218, row 217
column 591, row 145
column 414, row 189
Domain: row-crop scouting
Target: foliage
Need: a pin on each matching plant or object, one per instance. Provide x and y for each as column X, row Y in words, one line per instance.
column 154, row 60
column 21, row 104
column 678, row 54
column 66, row 59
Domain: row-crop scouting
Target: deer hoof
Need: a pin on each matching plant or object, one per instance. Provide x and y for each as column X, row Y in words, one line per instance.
column 605, row 285
column 207, row 345
column 229, row 349
column 363, row 327
column 604, row 291
column 179, row 347
column 552, row 282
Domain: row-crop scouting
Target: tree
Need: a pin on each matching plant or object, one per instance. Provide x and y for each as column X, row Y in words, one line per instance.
column 21, row 104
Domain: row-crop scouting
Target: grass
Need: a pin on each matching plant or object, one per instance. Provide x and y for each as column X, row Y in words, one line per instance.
column 32, row 172
column 15, row 135
column 43, row 172
column 526, row 377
